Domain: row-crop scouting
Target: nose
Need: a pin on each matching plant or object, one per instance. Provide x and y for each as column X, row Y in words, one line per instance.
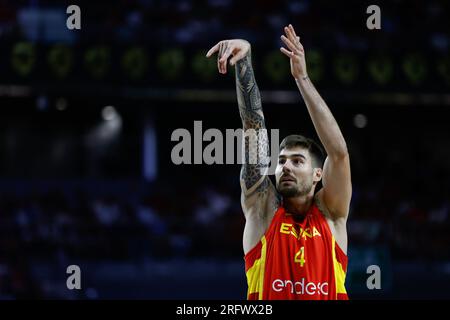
column 286, row 167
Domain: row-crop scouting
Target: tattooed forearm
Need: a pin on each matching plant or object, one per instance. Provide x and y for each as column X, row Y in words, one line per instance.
column 250, row 110
column 249, row 98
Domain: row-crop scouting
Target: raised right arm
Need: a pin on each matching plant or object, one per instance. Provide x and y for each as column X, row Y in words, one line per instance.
column 259, row 198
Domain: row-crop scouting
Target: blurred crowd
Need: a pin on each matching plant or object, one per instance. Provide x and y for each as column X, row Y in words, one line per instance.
column 111, row 226
column 184, row 22
column 205, row 221
column 401, row 182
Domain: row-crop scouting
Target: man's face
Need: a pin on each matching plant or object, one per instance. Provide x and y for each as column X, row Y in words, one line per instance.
column 295, row 175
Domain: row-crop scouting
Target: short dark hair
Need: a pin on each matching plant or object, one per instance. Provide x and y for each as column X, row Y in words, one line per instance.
column 315, row 150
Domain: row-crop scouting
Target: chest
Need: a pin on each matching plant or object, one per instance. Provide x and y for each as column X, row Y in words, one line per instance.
column 307, row 234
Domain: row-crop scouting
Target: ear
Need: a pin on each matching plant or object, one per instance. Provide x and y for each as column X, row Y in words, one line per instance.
column 317, row 174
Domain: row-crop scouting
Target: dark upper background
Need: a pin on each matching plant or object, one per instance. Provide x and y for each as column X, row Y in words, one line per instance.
column 86, row 118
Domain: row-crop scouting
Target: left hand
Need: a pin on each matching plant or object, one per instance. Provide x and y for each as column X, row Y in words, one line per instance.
column 296, row 53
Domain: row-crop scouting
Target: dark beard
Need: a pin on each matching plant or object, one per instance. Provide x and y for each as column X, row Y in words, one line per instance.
column 291, row 192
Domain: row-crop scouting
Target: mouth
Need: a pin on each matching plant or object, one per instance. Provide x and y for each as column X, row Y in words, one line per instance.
column 287, row 179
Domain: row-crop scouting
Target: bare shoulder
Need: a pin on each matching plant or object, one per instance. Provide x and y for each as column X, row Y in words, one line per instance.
column 262, row 203
column 321, row 204
column 338, row 226
column 259, row 209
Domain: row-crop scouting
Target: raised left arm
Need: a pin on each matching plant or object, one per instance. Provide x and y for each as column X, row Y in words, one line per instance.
column 336, row 177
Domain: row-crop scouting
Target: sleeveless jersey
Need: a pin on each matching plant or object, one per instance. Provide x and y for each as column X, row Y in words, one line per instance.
column 297, row 258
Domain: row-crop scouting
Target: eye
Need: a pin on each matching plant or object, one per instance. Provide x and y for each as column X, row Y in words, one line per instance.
column 281, row 161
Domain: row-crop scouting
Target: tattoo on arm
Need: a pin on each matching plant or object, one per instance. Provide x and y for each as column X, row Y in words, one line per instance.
column 250, row 110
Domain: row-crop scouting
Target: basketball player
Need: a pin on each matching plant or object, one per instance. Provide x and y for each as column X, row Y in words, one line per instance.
column 295, row 238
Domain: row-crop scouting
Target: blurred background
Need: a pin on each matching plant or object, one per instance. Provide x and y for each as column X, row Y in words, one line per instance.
column 86, row 118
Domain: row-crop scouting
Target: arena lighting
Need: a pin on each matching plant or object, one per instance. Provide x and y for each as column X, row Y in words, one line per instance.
column 360, row 121
column 150, row 150
column 380, row 69
column 97, row 61
column 415, row 68
column 110, row 127
column 443, row 68
column 170, row 63
column 314, row 61
column 60, row 60
column 106, row 132
column 203, row 67
column 276, row 66
column 346, row 68
column 109, row 113
column 23, row 57
column 135, row 63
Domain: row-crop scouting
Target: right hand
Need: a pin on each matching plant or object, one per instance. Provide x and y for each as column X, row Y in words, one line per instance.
column 237, row 48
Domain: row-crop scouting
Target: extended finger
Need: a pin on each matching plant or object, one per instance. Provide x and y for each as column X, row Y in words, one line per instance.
column 289, row 44
column 288, row 53
column 226, row 53
column 219, row 56
column 212, row 50
column 293, row 31
column 228, row 49
column 289, row 34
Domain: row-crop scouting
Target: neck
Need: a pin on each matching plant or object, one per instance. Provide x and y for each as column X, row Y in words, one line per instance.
column 299, row 204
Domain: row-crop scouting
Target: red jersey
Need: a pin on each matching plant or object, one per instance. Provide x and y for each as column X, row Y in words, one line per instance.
column 297, row 258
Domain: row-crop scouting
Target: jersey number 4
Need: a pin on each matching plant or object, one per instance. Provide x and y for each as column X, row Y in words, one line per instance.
column 300, row 256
